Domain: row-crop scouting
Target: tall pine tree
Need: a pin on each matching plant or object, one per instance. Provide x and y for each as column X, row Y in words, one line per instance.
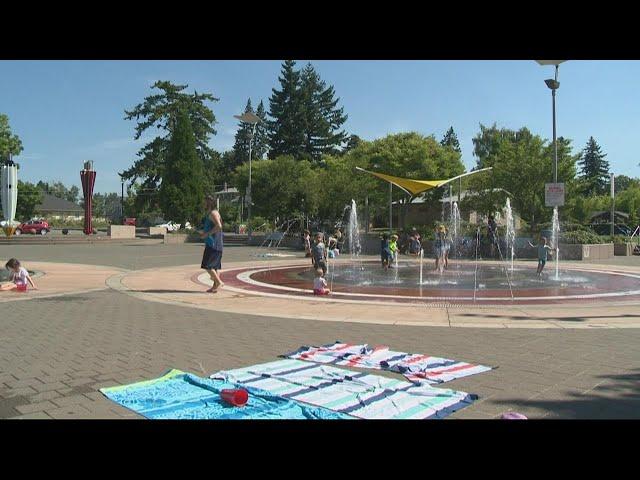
column 450, row 139
column 182, row 189
column 261, row 138
column 322, row 117
column 595, row 169
column 286, row 137
column 158, row 112
column 243, row 137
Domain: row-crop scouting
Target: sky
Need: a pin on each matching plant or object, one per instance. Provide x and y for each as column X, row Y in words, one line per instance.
column 66, row 112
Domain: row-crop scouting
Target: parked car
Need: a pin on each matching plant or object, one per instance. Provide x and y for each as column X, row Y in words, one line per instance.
column 129, row 221
column 605, row 229
column 33, row 226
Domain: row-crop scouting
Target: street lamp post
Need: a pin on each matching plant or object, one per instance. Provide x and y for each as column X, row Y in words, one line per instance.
column 122, row 202
column 253, row 119
column 553, row 84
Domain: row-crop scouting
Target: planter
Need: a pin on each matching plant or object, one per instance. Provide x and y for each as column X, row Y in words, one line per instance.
column 623, row 249
column 586, row 252
column 121, row 231
column 177, row 238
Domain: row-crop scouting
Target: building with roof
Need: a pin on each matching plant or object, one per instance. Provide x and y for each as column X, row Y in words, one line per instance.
column 53, row 207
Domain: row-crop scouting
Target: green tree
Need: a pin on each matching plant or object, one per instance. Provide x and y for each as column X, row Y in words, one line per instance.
column 623, row 182
column 182, row 192
column 628, row 201
column 261, row 138
column 286, row 137
column 594, row 168
column 29, row 197
column 283, row 187
column 405, row 155
column 341, row 183
column 450, row 139
column 159, row 112
column 522, row 164
column 242, row 139
column 322, row 117
column 352, row 142
column 9, row 143
column 59, row 190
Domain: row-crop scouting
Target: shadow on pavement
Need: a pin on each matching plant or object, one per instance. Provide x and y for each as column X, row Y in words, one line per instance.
column 561, row 319
column 616, row 397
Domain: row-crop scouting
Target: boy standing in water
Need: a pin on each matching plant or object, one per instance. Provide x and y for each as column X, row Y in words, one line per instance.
column 385, row 252
column 440, row 248
column 543, row 249
column 393, row 247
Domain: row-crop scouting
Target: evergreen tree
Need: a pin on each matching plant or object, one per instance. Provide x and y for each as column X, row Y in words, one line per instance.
column 243, row 137
column 286, row 137
column 353, row 142
column 322, row 117
column 182, row 189
column 29, row 197
column 9, row 143
column 450, row 139
column 261, row 138
column 595, row 169
column 159, row 112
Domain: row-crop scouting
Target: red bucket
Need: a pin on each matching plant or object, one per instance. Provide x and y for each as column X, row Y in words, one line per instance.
column 235, row 396
column 21, row 287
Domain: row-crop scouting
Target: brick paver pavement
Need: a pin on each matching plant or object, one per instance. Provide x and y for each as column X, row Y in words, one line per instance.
column 56, row 352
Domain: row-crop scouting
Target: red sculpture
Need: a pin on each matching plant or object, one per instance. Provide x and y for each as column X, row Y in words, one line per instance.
column 88, row 178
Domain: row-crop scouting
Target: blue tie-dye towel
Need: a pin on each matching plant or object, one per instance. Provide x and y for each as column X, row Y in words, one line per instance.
column 180, row 395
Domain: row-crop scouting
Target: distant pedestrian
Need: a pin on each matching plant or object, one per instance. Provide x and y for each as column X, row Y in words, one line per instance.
column 306, row 240
column 492, row 235
column 319, row 252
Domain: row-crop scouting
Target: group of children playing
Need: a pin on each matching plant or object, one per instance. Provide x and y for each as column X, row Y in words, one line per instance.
column 389, row 250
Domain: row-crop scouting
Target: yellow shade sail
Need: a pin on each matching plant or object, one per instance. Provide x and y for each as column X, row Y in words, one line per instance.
column 415, row 187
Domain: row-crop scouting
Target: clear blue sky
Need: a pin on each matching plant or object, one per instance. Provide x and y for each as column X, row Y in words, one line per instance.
column 66, row 112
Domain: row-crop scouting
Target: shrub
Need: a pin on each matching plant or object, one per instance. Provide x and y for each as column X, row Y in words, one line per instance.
column 582, row 237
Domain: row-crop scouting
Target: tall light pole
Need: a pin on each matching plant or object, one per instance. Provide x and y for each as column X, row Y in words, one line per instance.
column 122, row 201
column 553, row 84
column 253, row 119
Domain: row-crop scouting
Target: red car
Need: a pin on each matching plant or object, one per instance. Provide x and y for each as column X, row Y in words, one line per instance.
column 34, row 226
column 129, row 221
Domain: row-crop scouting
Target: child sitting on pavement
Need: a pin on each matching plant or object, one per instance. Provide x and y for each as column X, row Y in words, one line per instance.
column 18, row 277
column 320, row 284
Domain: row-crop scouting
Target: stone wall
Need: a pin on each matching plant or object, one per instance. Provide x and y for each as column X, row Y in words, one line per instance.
column 121, row 231
column 157, row 230
column 623, row 249
column 175, row 238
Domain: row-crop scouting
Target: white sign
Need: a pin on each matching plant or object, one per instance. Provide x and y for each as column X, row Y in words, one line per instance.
column 554, row 194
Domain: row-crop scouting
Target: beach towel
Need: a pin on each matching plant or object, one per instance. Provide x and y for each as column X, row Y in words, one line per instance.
column 358, row 394
column 180, row 395
column 415, row 367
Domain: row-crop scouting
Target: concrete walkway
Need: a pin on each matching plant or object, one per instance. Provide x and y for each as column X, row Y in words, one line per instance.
column 57, row 351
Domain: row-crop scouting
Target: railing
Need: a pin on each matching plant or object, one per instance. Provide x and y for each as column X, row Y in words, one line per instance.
column 635, row 232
